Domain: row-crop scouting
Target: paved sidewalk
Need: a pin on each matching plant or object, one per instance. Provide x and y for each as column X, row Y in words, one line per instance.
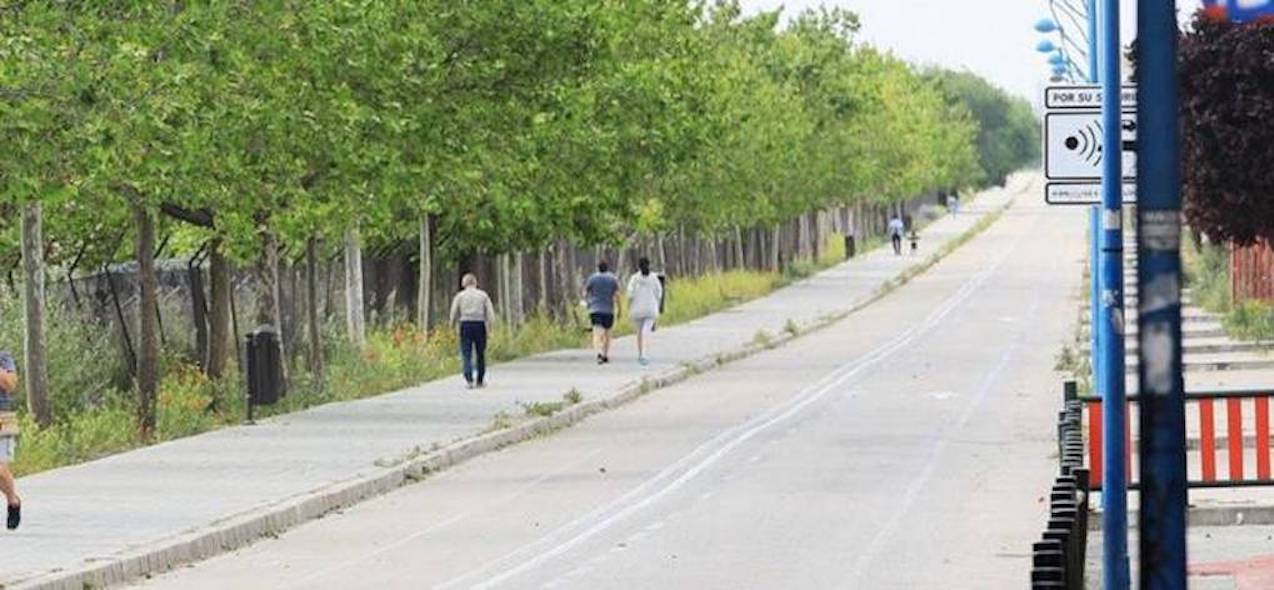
column 153, row 508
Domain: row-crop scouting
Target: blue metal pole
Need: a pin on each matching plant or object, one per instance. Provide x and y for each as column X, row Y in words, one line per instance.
column 1094, row 225
column 1163, row 465
column 1094, row 280
column 1114, row 480
column 1092, row 41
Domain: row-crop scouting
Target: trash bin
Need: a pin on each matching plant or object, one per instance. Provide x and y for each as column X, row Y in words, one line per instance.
column 265, row 368
column 849, row 247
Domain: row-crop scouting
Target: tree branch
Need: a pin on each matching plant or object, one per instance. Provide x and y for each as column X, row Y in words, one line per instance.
column 203, row 217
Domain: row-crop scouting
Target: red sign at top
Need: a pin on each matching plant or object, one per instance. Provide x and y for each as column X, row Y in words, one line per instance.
column 1240, row 10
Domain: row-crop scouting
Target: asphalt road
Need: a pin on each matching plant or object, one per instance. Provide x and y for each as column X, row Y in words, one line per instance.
column 905, row 447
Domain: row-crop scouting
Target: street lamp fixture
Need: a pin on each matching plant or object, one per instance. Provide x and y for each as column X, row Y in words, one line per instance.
column 1046, row 25
column 1046, row 46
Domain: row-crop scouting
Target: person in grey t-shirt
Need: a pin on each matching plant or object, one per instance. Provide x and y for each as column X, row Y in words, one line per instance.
column 601, row 293
column 8, row 439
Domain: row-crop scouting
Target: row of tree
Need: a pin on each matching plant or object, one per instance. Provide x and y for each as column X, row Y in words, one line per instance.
column 269, row 135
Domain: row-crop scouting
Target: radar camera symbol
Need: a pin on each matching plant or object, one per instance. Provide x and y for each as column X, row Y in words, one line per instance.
column 1087, row 143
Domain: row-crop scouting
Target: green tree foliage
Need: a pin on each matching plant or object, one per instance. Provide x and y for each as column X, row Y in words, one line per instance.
column 1008, row 130
column 510, row 123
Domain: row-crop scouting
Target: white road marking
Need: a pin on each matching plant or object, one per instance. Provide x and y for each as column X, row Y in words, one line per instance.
column 919, row 482
column 327, row 571
column 650, row 491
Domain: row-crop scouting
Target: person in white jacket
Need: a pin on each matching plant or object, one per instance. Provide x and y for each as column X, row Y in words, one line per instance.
column 644, row 294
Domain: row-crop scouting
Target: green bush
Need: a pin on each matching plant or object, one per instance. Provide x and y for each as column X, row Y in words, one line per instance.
column 1208, row 277
column 1251, row 320
column 83, row 354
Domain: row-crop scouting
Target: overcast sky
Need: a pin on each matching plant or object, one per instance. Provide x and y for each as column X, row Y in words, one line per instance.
column 994, row 38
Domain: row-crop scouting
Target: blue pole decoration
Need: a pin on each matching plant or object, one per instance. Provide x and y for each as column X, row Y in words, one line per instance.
column 1114, row 480
column 1163, row 443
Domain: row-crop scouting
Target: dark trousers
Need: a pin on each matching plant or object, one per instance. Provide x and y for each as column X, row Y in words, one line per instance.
column 473, row 343
column 897, row 240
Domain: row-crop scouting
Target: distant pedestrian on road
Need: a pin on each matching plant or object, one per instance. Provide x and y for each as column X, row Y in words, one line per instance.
column 953, row 202
column 896, row 230
column 644, row 293
column 472, row 313
column 601, row 292
column 9, row 438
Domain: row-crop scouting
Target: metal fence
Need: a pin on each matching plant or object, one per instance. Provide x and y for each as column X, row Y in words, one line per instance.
column 1058, row 558
column 1252, row 272
column 1246, row 442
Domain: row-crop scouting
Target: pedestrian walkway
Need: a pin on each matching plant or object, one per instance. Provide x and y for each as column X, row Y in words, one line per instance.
column 153, row 508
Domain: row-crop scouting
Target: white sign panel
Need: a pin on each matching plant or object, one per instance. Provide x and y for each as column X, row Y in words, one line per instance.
column 1086, row 97
column 1073, row 146
column 1083, row 193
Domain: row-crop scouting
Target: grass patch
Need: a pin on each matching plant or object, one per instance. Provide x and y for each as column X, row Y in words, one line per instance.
column 1208, row 277
column 1251, row 320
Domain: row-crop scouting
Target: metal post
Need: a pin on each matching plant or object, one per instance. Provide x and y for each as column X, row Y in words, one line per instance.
column 1094, row 308
column 1163, row 466
column 1094, row 233
column 1114, row 480
column 1092, row 41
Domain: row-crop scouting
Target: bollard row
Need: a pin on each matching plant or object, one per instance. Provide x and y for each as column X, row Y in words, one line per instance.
column 1058, row 558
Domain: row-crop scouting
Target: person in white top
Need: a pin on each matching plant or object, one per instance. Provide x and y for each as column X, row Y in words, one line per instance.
column 645, row 292
column 472, row 313
column 896, row 230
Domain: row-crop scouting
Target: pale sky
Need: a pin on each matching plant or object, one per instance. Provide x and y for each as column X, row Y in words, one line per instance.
column 994, row 38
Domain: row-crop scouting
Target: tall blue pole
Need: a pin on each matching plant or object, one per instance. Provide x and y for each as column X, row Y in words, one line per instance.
column 1092, row 41
column 1094, row 280
column 1163, row 464
column 1094, row 224
column 1111, row 322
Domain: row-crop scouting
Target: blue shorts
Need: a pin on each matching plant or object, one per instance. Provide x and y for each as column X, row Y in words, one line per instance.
column 602, row 320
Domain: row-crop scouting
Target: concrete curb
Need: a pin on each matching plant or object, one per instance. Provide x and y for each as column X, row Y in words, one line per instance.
column 272, row 519
column 1199, row 516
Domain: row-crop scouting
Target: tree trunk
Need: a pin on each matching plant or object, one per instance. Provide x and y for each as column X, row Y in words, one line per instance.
column 424, row 298
column 543, row 303
column 518, row 301
column 683, row 267
column 565, row 275
column 312, row 320
column 269, row 311
column 776, row 245
column 661, row 250
column 502, row 287
column 355, row 324
column 816, row 235
column 36, row 371
column 148, row 353
column 199, row 313
column 220, row 323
